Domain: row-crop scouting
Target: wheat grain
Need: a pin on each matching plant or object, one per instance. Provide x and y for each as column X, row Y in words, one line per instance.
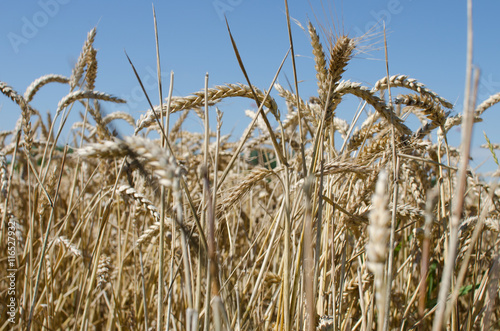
column 412, row 84
column 319, row 60
column 78, row 95
column 335, row 167
column 377, row 250
column 4, row 177
column 153, row 231
column 363, row 135
column 79, row 68
column 491, row 101
column 256, row 175
column 104, row 122
column 72, row 248
column 49, row 188
column 40, row 82
column 129, row 192
column 291, row 99
column 158, row 158
column 101, row 129
column 91, row 62
column 87, row 126
column 118, row 115
column 26, row 111
column 103, row 270
column 4, row 135
column 340, row 55
column 432, row 110
column 12, row 94
column 198, row 99
column 452, row 121
column 378, row 144
column 494, row 146
column 414, row 187
column 408, row 210
column 377, row 103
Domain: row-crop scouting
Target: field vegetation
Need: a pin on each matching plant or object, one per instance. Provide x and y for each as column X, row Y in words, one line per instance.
column 312, row 223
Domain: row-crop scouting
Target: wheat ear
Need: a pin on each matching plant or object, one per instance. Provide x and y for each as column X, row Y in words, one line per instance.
column 103, row 270
column 40, row 82
column 339, row 57
column 153, row 231
column 198, row 100
column 26, row 111
column 158, row 158
column 412, row 84
column 91, row 60
column 492, row 100
column 118, row 115
column 377, row 103
column 432, row 110
column 256, row 175
column 319, row 60
column 72, row 248
column 78, row 95
column 77, row 73
column 129, row 192
column 377, row 250
column 452, row 121
column 4, row 177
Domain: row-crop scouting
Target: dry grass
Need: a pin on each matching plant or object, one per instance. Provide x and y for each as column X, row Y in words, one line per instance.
column 250, row 241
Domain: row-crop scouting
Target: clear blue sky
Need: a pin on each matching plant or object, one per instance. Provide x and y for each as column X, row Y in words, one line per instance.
column 426, row 40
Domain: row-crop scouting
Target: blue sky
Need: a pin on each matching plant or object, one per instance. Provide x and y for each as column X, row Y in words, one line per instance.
column 426, row 41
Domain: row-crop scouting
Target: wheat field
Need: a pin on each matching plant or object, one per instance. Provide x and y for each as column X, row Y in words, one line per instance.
column 316, row 223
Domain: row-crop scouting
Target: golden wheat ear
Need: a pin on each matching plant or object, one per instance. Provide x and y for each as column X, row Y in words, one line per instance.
column 82, row 61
